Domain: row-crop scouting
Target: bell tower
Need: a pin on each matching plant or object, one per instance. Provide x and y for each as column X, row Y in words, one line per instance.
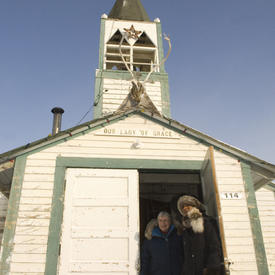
column 131, row 62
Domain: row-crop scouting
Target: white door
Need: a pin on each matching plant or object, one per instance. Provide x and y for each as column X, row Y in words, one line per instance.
column 100, row 232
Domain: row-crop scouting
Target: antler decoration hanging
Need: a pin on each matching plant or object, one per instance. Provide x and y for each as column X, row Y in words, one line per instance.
column 167, row 38
column 139, row 86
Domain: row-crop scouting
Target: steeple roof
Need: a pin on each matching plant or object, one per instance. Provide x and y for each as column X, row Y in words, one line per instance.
column 129, row 10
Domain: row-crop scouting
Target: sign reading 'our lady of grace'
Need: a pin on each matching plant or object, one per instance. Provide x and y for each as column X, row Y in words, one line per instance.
column 137, row 132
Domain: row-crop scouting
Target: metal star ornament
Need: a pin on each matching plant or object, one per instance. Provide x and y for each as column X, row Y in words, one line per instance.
column 132, row 33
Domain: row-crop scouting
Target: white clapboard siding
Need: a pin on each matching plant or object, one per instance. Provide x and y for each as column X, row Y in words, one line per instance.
column 35, row 203
column 116, row 90
column 266, row 206
column 3, row 213
column 237, row 228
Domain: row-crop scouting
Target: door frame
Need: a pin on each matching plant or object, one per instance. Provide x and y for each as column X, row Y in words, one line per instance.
column 62, row 163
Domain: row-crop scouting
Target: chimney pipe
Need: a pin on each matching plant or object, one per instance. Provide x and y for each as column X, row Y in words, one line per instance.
column 57, row 116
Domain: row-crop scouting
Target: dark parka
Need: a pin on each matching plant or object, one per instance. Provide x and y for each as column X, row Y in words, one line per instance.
column 162, row 255
column 201, row 250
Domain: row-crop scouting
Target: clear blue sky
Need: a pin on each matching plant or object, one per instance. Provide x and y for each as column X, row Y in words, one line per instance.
column 221, row 69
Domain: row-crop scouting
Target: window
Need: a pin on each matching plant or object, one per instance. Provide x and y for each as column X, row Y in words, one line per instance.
column 139, row 57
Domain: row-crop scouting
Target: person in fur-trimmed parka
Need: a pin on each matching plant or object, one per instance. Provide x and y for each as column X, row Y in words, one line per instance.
column 198, row 234
column 162, row 252
column 202, row 248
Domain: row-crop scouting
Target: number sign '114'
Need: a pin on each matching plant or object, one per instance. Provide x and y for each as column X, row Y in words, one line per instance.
column 231, row 195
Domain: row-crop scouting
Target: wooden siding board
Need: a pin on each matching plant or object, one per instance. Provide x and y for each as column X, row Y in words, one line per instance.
column 31, row 258
column 229, row 181
column 33, row 222
column 34, row 231
column 42, row 170
column 33, row 185
column 30, row 249
column 30, row 193
column 241, row 217
column 34, row 201
column 30, row 239
column 39, row 177
column 137, row 152
column 41, row 156
column 239, row 232
column 126, row 144
column 41, row 163
column 34, row 214
column 27, row 267
column 156, row 157
column 231, row 188
column 35, row 207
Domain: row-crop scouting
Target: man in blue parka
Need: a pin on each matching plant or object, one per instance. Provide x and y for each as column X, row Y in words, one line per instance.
column 162, row 254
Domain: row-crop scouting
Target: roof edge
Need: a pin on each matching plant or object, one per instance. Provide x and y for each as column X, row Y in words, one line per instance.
column 183, row 129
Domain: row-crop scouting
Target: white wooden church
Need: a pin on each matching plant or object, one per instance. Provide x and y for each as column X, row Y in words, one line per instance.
column 77, row 202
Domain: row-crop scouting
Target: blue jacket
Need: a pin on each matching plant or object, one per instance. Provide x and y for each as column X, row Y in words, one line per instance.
column 163, row 254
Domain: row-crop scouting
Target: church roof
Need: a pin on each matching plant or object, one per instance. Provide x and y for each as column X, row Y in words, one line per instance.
column 129, row 10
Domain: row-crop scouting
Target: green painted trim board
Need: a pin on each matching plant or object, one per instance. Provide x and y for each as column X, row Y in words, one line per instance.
column 165, row 98
column 254, row 220
column 56, row 221
column 101, row 44
column 12, row 213
column 160, row 46
column 98, row 95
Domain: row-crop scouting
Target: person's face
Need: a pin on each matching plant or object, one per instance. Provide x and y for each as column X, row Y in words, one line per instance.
column 186, row 209
column 164, row 223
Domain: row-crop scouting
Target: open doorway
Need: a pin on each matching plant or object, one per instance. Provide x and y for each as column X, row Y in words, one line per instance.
column 158, row 188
